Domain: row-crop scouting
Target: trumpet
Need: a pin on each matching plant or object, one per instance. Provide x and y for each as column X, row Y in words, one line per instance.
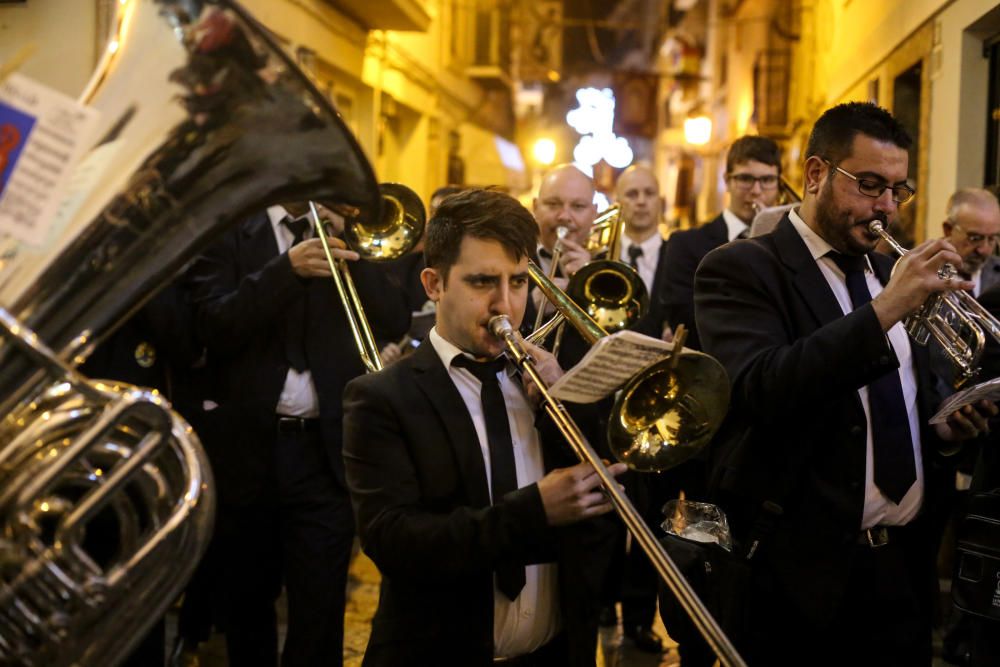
column 665, row 414
column 501, row 327
column 954, row 319
column 612, row 292
column 399, row 230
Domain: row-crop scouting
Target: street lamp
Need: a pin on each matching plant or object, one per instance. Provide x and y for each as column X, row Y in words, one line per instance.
column 697, row 129
column 544, row 151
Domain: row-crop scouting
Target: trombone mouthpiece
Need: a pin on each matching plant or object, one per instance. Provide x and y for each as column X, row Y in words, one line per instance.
column 876, row 226
column 500, row 326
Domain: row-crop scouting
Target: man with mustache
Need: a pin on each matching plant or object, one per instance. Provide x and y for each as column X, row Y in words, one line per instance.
column 826, row 464
column 973, row 227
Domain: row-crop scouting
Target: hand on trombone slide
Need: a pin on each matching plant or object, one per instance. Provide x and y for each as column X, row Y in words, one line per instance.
column 574, row 256
column 546, row 365
column 575, row 493
column 309, row 259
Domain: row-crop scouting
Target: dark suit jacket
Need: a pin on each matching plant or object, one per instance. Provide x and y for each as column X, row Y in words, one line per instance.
column 796, row 432
column 242, row 289
column 418, row 484
column 683, row 253
column 652, row 323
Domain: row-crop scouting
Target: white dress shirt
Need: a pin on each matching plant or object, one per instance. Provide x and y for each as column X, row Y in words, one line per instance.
column 734, row 225
column 298, row 396
column 878, row 509
column 647, row 260
column 527, row 623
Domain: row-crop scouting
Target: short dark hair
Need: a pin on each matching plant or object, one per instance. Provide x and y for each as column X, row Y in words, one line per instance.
column 832, row 137
column 481, row 214
column 446, row 191
column 761, row 149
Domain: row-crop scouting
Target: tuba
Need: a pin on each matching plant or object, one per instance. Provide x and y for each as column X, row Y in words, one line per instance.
column 203, row 120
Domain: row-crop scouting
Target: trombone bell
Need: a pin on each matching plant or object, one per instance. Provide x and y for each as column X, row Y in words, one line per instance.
column 665, row 415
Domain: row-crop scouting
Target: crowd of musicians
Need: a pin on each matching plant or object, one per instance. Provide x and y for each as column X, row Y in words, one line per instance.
column 495, row 545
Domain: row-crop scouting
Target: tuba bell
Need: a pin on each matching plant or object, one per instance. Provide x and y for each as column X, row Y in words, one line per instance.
column 225, row 125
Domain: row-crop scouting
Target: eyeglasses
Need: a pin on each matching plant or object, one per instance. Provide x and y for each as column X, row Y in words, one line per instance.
column 975, row 238
column 900, row 193
column 746, row 181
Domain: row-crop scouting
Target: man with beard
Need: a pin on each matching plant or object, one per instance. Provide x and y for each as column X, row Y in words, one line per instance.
column 753, row 173
column 826, row 463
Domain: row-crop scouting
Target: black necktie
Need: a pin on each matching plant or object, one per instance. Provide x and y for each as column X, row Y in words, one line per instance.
column 634, row 253
column 510, row 578
column 295, row 317
column 895, row 470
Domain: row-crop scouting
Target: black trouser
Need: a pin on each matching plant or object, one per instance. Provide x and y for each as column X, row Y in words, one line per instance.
column 882, row 620
column 303, row 539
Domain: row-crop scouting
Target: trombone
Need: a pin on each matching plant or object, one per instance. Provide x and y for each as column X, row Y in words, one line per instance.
column 399, row 229
column 501, row 327
column 954, row 319
column 666, row 413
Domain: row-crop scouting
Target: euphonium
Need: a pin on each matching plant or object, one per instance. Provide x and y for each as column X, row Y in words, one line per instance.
column 954, row 319
column 202, row 121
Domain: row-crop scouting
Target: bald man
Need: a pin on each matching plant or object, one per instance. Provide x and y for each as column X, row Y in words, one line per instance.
column 973, row 227
column 638, row 192
column 565, row 199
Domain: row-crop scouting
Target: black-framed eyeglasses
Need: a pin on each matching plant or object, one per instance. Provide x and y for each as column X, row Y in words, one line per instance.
column 900, row 193
column 746, row 181
column 975, row 238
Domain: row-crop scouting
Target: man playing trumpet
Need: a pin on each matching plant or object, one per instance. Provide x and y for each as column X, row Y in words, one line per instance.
column 826, row 464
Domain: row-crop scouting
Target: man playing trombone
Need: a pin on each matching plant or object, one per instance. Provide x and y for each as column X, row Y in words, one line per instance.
column 270, row 318
column 473, row 515
column 826, row 463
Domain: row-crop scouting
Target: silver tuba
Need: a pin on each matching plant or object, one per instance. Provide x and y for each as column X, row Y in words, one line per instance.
column 203, row 121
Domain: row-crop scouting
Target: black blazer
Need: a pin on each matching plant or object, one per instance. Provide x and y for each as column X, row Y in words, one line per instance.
column 241, row 289
column 680, row 258
column 418, row 485
column 796, row 431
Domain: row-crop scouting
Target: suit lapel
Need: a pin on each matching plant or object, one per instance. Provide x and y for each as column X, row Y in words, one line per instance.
column 717, row 230
column 259, row 244
column 807, row 278
column 433, row 379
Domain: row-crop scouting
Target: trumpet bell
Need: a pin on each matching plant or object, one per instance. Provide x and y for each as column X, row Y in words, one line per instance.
column 610, row 292
column 397, row 230
column 665, row 415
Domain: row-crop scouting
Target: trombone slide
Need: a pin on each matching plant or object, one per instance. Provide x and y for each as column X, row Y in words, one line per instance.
column 501, row 327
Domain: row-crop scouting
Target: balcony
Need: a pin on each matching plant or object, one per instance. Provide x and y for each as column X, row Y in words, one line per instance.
column 406, row 15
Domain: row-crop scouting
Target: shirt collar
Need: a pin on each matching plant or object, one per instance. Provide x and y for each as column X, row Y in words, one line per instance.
column 446, row 350
column 817, row 245
column 650, row 246
column 734, row 225
column 276, row 214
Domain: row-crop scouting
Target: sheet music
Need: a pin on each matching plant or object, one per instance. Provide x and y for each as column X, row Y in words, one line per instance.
column 989, row 390
column 42, row 134
column 610, row 363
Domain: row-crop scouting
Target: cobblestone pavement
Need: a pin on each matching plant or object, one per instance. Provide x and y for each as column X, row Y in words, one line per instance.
column 362, row 590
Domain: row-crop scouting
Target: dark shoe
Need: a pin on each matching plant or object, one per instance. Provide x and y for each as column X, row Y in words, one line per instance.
column 645, row 639
column 608, row 617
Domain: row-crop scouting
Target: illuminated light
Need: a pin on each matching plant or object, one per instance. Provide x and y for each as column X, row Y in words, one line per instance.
column 601, row 202
column 595, row 119
column 113, row 46
column 53, row 453
column 619, row 154
column 544, row 151
column 588, row 151
column 587, row 169
column 98, row 472
column 44, row 507
column 697, row 130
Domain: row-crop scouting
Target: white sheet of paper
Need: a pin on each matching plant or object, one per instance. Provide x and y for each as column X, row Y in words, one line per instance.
column 989, row 390
column 42, row 135
column 610, row 363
